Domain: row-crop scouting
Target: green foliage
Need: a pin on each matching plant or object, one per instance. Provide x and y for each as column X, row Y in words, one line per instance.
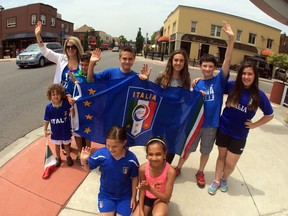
column 85, row 42
column 139, row 42
column 153, row 39
column 278, row 60
column 123, row 40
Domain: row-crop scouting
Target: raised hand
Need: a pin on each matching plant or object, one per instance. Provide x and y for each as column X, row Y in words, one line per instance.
column 38, row 28
column 96, row 55
column 227, row 29
column 85, row 153
column 145, row 72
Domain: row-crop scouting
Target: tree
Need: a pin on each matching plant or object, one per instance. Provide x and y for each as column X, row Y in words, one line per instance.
column 139, row 42
column 85, row 41
column 278, row 60
column 123, row 40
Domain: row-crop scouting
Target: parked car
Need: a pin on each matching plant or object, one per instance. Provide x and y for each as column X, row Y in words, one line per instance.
column 115, row 49
column 32, row 55
column 281, row 74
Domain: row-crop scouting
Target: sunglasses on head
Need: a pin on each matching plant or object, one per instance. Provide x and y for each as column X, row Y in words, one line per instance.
column 71, row 47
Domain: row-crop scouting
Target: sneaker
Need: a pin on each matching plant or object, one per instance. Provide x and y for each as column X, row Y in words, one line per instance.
column 58, row 162
column 223, row 185
column 178, row 171
column 200, row 179
column 213, row 187
column 78, row 161
column 69, row 161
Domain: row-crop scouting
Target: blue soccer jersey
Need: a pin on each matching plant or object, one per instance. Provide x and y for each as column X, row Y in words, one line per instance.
column 116, row 175
column 59, row 120
column 113, row 73
column 232, row 121
column 214, row 90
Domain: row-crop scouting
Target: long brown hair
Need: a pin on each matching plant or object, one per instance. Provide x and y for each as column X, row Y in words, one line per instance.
column 164, row 79
column 237, row 90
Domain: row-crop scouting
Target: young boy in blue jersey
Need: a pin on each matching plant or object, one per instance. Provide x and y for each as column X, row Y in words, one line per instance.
column 71, row 91
column 126, row 57
column 213, row 86
column 119, row 173
column 57, row 114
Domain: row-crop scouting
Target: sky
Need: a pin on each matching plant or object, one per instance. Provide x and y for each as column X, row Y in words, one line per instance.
column 124, row 17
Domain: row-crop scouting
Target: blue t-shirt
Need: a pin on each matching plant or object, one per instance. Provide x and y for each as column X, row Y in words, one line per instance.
column 113, row 73
column 59, row 119
column 65, row 76
column 232, row 120
column 214, row 89
column 116, row 175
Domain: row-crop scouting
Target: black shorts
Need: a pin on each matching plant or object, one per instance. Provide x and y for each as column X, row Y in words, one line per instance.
column 149, row 201
column 233, row 145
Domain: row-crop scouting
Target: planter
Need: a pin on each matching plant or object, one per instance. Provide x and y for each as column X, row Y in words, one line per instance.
column 277, row 92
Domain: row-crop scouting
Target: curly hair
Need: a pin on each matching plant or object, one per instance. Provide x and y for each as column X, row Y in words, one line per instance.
column 56, row 88
column 165, row 78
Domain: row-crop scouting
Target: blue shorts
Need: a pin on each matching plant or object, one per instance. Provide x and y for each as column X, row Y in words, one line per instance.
column 121, row 207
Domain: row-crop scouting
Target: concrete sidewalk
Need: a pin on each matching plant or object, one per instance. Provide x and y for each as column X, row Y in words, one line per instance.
column 258, row 186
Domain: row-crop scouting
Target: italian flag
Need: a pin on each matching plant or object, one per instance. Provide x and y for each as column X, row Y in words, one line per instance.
column 49, row 163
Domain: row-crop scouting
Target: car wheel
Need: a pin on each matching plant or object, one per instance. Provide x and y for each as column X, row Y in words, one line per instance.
column 41, row 62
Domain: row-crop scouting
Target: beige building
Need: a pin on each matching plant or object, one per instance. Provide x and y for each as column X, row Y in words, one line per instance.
column 198, row 31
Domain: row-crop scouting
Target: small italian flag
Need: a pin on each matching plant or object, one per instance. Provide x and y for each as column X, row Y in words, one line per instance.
column 50, row 162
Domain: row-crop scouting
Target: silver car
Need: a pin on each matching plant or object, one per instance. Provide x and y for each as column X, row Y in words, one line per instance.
column 32, row 55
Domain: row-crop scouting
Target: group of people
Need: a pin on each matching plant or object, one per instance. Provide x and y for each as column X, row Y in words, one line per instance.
column 121, row 174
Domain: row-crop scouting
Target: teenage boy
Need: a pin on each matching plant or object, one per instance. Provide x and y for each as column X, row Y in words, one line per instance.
column 126, row 57
column 213, row 86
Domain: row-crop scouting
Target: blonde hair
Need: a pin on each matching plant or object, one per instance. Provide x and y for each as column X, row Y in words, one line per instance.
column 75, row 41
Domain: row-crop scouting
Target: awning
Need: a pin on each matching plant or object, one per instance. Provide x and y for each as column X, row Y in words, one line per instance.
column 92, row 43
column 266, row 52
column 164, row 38
column 30, row 35
column 104, row 44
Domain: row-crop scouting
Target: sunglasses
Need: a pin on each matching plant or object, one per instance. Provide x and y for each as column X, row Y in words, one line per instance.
column 71, row 47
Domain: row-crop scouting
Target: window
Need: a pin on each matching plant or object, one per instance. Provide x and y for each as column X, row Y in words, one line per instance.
column 67, row 28
column 43, row 19
column 33, row 19
column 269, row 43
column 174, row 27
column 193, row 27
column 238, row 36
column 11, row 22
column 252, row 38
column 215, row 31
column 53, row 21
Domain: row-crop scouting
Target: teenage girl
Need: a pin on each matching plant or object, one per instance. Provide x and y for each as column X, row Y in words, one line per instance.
column 176, row 74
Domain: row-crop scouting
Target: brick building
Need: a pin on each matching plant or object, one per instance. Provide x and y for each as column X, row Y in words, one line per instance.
column 18, row 24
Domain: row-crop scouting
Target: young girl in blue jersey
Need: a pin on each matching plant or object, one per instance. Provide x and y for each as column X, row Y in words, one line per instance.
column 119, row 173
column 244, row 98
column 57, row 113
column 156, row 180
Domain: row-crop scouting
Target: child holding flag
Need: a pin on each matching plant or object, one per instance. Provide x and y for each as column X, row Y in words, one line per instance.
column 57, row 114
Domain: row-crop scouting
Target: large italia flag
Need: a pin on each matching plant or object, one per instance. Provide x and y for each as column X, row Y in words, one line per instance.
column 144, row 108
